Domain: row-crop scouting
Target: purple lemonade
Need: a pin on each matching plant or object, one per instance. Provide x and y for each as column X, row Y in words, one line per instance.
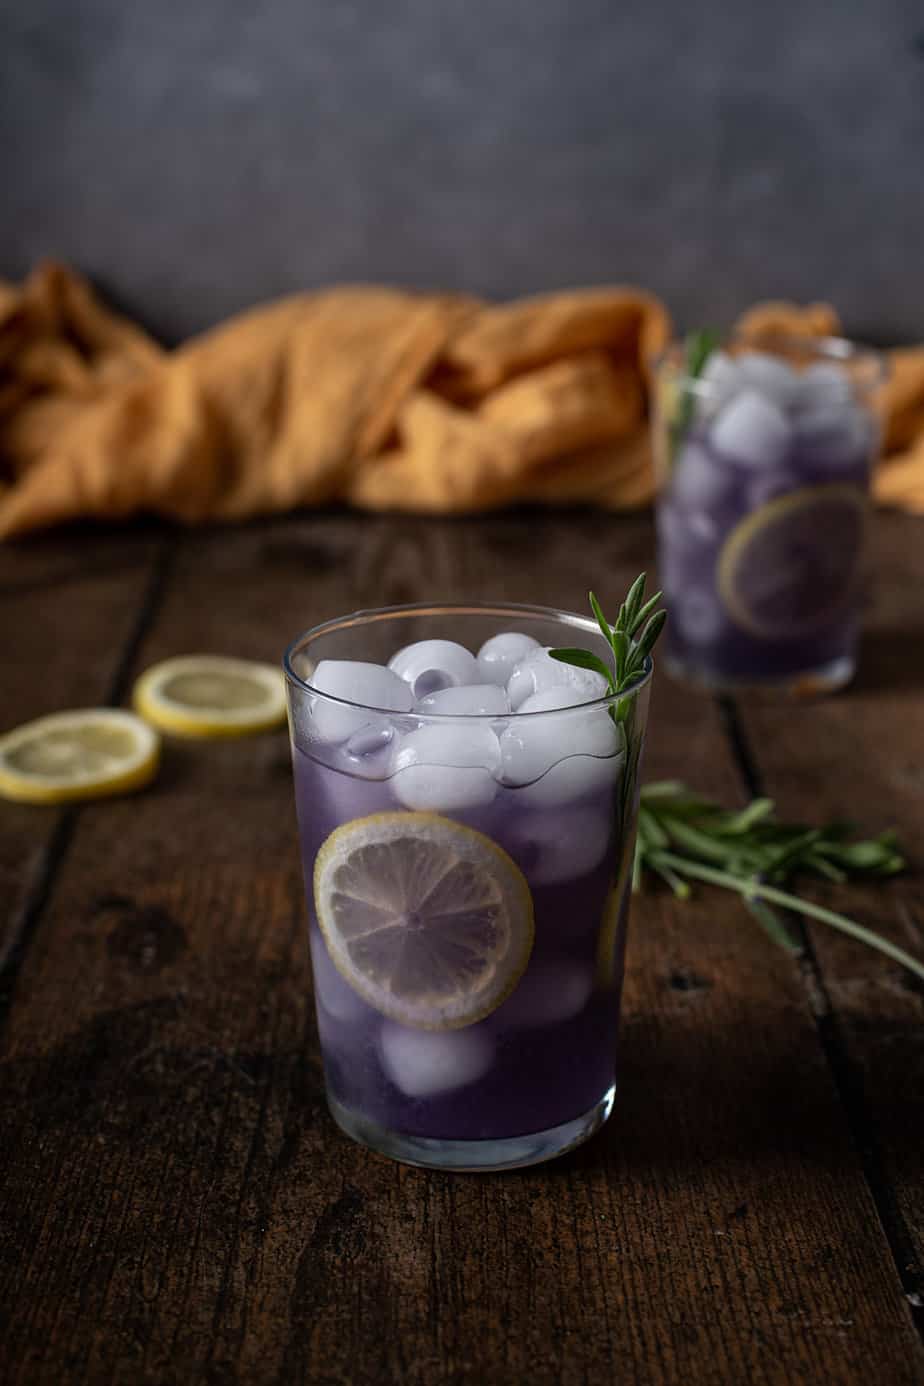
column 465, row 820
column 765, row 459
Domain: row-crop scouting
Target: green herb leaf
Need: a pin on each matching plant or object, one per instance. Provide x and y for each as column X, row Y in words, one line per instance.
column 584, row 659
column 698, row 347
column 773, row 926
column 754, row 854
column 601, row 619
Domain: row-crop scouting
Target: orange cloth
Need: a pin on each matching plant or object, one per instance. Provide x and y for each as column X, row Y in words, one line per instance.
column 376, row 397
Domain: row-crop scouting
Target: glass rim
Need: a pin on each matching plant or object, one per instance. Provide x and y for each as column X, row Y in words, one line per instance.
column 826, row 348
column 370, row 615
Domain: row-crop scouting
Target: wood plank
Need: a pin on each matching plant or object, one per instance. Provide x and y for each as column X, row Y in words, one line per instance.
column 68, row 608
column 179, row 1205
column 861, row 755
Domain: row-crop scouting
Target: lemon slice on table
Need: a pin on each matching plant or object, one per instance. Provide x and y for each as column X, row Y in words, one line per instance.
column 429, row 921
column 85, row 754
column 792, row 565
column 212, row 696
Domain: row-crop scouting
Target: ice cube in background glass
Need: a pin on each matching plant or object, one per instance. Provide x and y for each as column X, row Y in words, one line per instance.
column 823, row 383
column 769, row 376
column 425, row 1063
column 696, row 613
column 766, row 487
column 539, row 671
column 721, row 376
column 466, row 700
column 562, row 846
column 555, row 760
column 372, row 685
column 751, row 430
column 430, row 665
column 498, row 656
column 446, row 768
column 832, row 435
column 331, row 991
column 548, row 994
column 698, row 480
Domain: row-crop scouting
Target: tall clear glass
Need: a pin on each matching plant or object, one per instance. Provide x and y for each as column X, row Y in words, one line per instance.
column 466, row 877
column 765, row 459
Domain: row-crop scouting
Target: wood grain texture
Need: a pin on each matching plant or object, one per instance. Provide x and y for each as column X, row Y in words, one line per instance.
column 861, row 756
column 177, row 1205
column 68, row 610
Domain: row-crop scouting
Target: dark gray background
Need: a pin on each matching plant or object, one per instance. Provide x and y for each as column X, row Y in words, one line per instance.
column 196, row 156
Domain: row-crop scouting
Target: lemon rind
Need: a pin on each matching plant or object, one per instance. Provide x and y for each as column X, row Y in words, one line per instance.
column 742, row 535
column 177, row 719
column 46, row 790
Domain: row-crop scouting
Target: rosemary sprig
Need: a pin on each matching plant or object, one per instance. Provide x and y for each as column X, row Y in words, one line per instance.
column 683, row 836
column 697, row 348
column 631, row 639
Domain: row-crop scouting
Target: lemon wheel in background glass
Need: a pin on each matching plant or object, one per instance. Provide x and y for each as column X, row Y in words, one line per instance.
column 793, row 565
column 429, row 921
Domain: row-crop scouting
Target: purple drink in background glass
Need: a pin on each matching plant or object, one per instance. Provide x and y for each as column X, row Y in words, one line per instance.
column 765, row 459
column 466, row 818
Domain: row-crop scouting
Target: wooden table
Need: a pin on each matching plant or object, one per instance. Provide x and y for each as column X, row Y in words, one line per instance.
column 177, row 1205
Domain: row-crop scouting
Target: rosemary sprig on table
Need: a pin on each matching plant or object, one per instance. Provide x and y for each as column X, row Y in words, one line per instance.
column 683, row 836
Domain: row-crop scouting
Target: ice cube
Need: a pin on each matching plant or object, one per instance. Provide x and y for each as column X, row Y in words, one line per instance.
column 446, row 768
column 751, row 430
column 371, row 685
column 720, row 375
column 553, row 760
column 424, row 1063
column 333, row 993
column 699, row 481
column 547, row 994
column 498, row 656
column 558, row 846
column 539, row 671
column 430, row 665
column 466, row 700
column 823, row 383
column 766, row 487
column 833, row 435
column 696, row 614
column 769, row 376
column 368, row 752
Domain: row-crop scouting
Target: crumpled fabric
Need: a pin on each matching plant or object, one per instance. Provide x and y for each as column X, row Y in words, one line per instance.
column 374, row 397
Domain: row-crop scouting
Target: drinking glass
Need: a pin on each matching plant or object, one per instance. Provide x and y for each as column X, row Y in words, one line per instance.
column 466, row 821
column 764, row 459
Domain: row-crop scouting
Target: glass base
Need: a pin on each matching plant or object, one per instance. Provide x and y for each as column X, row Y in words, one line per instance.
column 510, row 1152
column 806, row 683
